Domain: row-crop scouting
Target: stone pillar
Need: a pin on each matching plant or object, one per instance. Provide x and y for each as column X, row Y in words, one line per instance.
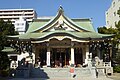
column 48, row 57
column 72, row 56
column 87, row 54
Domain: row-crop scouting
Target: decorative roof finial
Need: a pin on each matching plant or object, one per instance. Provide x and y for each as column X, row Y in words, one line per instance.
column 61, row 6
column 60, row 9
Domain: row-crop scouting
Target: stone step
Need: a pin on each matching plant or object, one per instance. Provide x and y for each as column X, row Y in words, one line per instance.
column 60, row 72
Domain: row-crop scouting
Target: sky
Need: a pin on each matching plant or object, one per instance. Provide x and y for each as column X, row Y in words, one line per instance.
column 94, row 9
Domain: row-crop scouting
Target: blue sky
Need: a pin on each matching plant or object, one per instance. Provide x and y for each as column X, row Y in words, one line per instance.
column 94, row 9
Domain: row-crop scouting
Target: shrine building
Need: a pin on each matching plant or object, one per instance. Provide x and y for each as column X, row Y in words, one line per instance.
column 60, row 41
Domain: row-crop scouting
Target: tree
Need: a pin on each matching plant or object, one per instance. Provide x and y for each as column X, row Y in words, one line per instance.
column 104, row 30
column 116, row 40
column 118, row 12
column 6, row 28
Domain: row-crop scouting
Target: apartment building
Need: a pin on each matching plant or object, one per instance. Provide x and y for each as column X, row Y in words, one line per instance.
column 14, row 14
column 111, row 14
column 19, row 17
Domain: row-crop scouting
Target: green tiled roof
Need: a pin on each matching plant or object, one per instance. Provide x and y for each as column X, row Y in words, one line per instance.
column 83, row 29
column 77, row 35
column 85, row 23
column 35, row 25
column 82, row 24
column 8, row 49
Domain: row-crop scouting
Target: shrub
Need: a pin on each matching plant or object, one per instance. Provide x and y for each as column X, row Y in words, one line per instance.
column 116, row 69
column 4, row 73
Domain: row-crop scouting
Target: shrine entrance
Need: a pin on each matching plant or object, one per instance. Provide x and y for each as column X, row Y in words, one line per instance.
column 60, row 57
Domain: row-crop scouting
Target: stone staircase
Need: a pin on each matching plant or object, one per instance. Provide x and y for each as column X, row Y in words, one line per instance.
column 61, row 72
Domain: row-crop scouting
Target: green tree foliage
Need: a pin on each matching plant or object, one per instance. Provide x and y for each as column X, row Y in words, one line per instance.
column 118, row 12
column 4, row 61
column 118, row 30
column 6, row 28
column 114, row 31
column 104, row 30
column 117, row 58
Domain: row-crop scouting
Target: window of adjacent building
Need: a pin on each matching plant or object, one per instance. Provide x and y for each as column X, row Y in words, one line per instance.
column 22, row 24
column 108, row 22
column 115, row 23
column 17, row 24
column 114, row 13
column 113, row 4
column 107, row 13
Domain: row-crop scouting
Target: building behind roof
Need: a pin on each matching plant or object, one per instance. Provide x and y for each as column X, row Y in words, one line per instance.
column 19, row 17
column 111, row 14
column 14, row 14
column 20, row 25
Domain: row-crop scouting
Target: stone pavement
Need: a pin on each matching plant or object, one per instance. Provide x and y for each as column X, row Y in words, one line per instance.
column 85, row 78
column 115, row 76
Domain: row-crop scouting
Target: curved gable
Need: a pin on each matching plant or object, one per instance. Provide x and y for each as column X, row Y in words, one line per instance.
column 60, row 22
